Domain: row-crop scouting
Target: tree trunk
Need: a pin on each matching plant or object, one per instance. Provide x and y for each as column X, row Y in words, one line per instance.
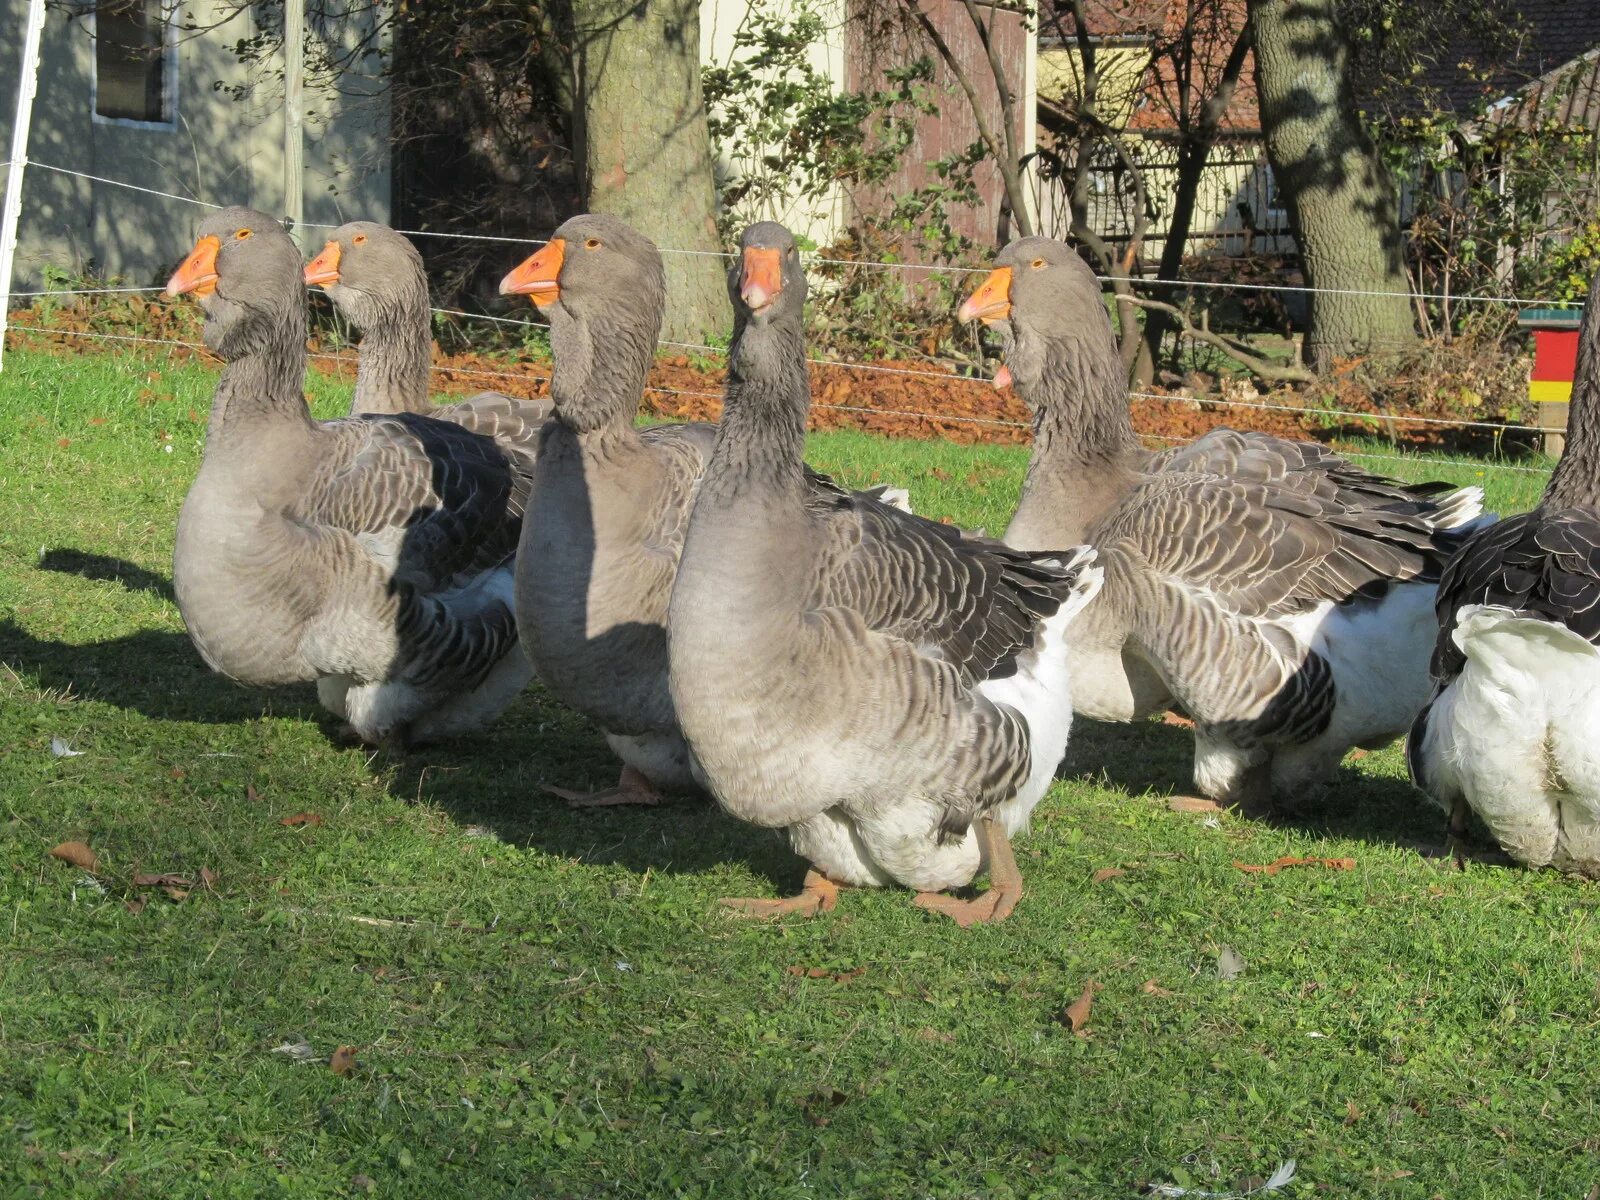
column 645, row 151
column 1342, row 204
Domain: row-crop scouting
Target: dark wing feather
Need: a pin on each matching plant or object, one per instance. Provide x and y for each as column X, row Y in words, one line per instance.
column 456, row 495
column 511, row 421
column 1543, row 564
column 1263, row 550
column 975, row 602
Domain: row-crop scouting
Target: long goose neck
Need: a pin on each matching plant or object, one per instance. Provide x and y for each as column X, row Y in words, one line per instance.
column 1576, row 481
column 396, row 348
column 263, row 385
column 1085, row 453
column 761, row 439
column 601, row 364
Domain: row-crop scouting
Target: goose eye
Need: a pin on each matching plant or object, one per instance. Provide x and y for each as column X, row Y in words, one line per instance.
column 592, row 244
column 360, row 239
column 1038, row 263
column 242, row 234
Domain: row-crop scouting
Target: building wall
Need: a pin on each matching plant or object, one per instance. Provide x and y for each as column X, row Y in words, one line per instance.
column 953, row 128
column 1120, row 72
column 217, row 149
column 818, row 218
column 1237, row 176
column 851, row 58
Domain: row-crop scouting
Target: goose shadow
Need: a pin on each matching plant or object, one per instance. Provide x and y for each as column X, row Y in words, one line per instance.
column 493, row 782
column 154, row 673
column 1157, row 756
column 88, row 565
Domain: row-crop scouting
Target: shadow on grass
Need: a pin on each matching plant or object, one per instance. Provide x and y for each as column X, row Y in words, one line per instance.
column 1150, row 756
column 67, row 561
column 154, row 673
column 495, row 780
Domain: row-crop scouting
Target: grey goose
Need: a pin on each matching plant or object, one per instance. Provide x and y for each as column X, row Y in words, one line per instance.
column 892, row 693
column 375, row 278
column 371, row 555
column 1278, row 596
column 1513, row 729
column 610, row 504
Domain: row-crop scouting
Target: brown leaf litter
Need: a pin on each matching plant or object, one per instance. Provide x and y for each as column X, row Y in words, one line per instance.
column 76, row 853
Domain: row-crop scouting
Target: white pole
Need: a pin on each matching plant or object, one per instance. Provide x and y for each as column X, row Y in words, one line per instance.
column 27, row 88
column 294, row 41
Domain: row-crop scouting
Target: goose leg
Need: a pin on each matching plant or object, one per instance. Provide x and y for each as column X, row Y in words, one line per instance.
column 631, row 788
column 1456, row 833
column 817, row 895
column 1005, row 884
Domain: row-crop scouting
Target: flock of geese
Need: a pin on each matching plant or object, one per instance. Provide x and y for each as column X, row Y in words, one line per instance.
column 893, row 692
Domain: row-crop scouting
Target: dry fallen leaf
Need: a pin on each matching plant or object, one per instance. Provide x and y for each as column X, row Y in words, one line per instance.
column 208, row 877
column 135, row 906
column 305, row 818
column 1193, row 804
column 1105, row 873
column 76, row 853
column 824, row 973
column 1077, row 1013
column 818, row 1103
column 168, row 879
column 1272, row 868
column 343, row 1061
column 176, row 893
column 250, row 793
column 1151, row 988
column 1352, row 1113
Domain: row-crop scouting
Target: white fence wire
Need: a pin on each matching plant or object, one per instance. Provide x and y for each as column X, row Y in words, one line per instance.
column 1374, row 418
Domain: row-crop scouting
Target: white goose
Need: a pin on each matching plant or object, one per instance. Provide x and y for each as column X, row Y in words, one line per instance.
column 1513, row 730
column 890, row 692
column 1280, row 597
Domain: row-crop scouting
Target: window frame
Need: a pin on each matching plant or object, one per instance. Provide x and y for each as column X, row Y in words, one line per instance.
column 169, row 72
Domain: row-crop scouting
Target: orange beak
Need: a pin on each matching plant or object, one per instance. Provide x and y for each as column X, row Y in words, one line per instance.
column 324, row 268
column 762, row 278
column 198, row 274
column 539, row 276
column 991, row 302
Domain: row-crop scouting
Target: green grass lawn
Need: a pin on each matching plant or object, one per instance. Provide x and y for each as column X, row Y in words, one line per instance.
column 545, row 1003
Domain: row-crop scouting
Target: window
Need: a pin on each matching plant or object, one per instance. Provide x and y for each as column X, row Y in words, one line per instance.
column 135, row 62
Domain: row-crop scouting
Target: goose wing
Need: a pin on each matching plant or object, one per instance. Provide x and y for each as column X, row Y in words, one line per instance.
column 682, row 452
column 973, row 602
column 1543, row 564
column 511, row 421
column 433, row 501
column 1212, row 572
column 1310, row 469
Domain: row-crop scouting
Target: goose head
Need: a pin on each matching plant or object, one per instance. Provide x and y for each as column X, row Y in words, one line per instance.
column 245, row 272
column 594, row 268
column 602, row 286
column 370, row 272
column 767, row 283
column 1040, row 296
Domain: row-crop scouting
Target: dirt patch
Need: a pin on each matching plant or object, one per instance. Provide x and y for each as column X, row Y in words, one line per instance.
column 897, row 398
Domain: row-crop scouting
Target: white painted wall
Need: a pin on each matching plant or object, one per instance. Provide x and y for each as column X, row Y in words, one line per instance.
column 823, row 219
